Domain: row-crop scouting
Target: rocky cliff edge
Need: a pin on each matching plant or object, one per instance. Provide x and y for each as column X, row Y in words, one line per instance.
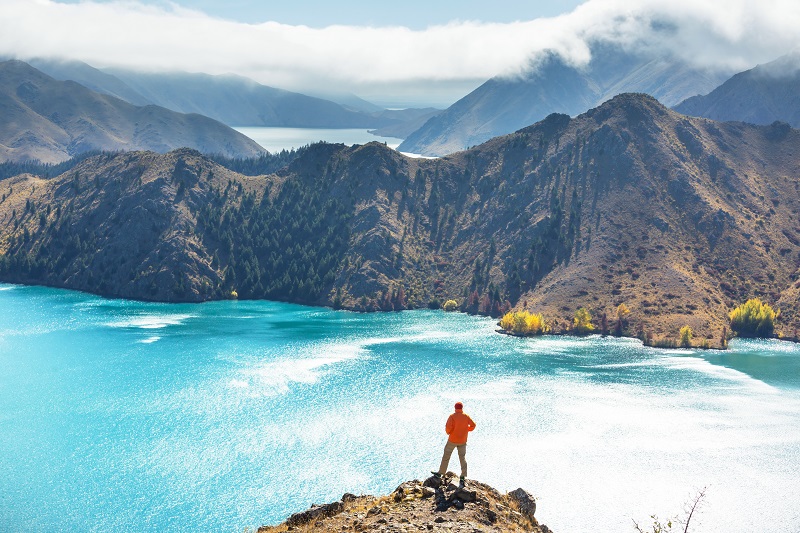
column 430, row 505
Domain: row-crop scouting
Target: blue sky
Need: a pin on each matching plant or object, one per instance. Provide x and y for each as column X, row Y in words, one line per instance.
column 415, row 14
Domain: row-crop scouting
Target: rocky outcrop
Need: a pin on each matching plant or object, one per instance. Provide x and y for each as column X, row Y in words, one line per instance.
column 431, row 505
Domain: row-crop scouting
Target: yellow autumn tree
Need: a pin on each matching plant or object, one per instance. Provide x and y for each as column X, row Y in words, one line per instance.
column 582, row 323
column 450, row 305
column 524, row 323
column 685, row 335
column 753, row 319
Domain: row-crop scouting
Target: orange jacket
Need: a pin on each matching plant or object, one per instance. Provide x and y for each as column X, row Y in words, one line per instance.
column 459, row 424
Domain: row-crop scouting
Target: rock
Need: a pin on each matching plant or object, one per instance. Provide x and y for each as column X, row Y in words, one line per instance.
column 474, row 507
column 347, row 497
column 525, row 501
column 467, row 495
column 432, row 482
column 314, row 513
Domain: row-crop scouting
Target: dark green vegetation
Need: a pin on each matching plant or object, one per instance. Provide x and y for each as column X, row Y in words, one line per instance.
column 50, row 121
column 680, row 219
column 265, row 163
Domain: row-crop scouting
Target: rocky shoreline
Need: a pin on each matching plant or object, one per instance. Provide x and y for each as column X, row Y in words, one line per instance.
column 430, row 505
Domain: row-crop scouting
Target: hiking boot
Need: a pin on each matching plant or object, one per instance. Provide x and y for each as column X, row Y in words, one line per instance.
column 436, row 474
column 461, row 481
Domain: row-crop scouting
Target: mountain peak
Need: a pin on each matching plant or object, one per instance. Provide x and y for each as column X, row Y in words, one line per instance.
column 761, row 95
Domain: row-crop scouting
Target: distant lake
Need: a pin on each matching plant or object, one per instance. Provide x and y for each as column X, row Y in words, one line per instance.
column 277, row 139
column 118, row 415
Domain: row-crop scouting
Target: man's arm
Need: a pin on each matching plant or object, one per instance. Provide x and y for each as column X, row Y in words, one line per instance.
column 449, row 426
column 470, row 424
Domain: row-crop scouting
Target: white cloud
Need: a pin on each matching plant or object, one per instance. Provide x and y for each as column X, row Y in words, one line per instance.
column 731, row 33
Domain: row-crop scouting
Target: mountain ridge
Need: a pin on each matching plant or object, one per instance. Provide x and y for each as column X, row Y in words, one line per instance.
column 50, row 121
column 503, row 105
column 679, row 218
column 761, row 95
column 234, row 100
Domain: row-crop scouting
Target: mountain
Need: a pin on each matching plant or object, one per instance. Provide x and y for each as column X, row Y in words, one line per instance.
column 679, row 218
column 760, row 95
column 505, row 104
column 239, row 101
column 50, row 121
column 420, row 506
column 91, row 78
column 236, row 100
column 407, row 121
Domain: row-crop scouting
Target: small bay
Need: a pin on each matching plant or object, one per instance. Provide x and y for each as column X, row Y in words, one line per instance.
column 125, row 415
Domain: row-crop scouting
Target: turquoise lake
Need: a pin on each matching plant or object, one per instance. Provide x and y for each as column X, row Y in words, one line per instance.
column 118, row 415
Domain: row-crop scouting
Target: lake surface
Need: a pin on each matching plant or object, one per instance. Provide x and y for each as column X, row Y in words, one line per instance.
column 122, row 415
column 277, row 139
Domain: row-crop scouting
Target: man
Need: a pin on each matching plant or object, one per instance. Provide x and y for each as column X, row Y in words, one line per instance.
column 458, row 426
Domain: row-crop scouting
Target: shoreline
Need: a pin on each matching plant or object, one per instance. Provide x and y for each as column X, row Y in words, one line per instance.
column 498, row 330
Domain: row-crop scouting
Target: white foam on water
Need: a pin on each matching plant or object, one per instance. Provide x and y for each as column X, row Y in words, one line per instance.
column 151, row 321
column 150, row 340
column 275, row 377
column 720, row 372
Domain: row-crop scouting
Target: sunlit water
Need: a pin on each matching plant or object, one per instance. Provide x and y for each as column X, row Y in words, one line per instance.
column 277, row 139
column 118, row 415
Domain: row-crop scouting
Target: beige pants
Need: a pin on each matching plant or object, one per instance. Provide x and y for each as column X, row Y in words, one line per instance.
column 448, row 451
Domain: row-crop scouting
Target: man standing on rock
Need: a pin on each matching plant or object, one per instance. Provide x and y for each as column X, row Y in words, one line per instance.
column 458, row 426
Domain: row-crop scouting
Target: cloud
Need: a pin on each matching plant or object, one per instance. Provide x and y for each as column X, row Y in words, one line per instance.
column 729, row 34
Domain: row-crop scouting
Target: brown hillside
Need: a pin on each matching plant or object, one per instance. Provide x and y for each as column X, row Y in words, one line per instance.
column 679, row 218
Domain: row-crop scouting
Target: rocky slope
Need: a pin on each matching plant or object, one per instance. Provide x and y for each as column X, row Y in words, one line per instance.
column 679, row 218
column 423, row 506
column 505, row 104
column 762, row 95
column 50, row 121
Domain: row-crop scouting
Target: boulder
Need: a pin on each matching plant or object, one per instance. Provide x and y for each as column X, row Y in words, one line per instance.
column 314, row 513
column 525, row 501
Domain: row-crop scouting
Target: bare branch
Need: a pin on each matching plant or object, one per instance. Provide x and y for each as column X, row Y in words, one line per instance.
column 695, row 503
